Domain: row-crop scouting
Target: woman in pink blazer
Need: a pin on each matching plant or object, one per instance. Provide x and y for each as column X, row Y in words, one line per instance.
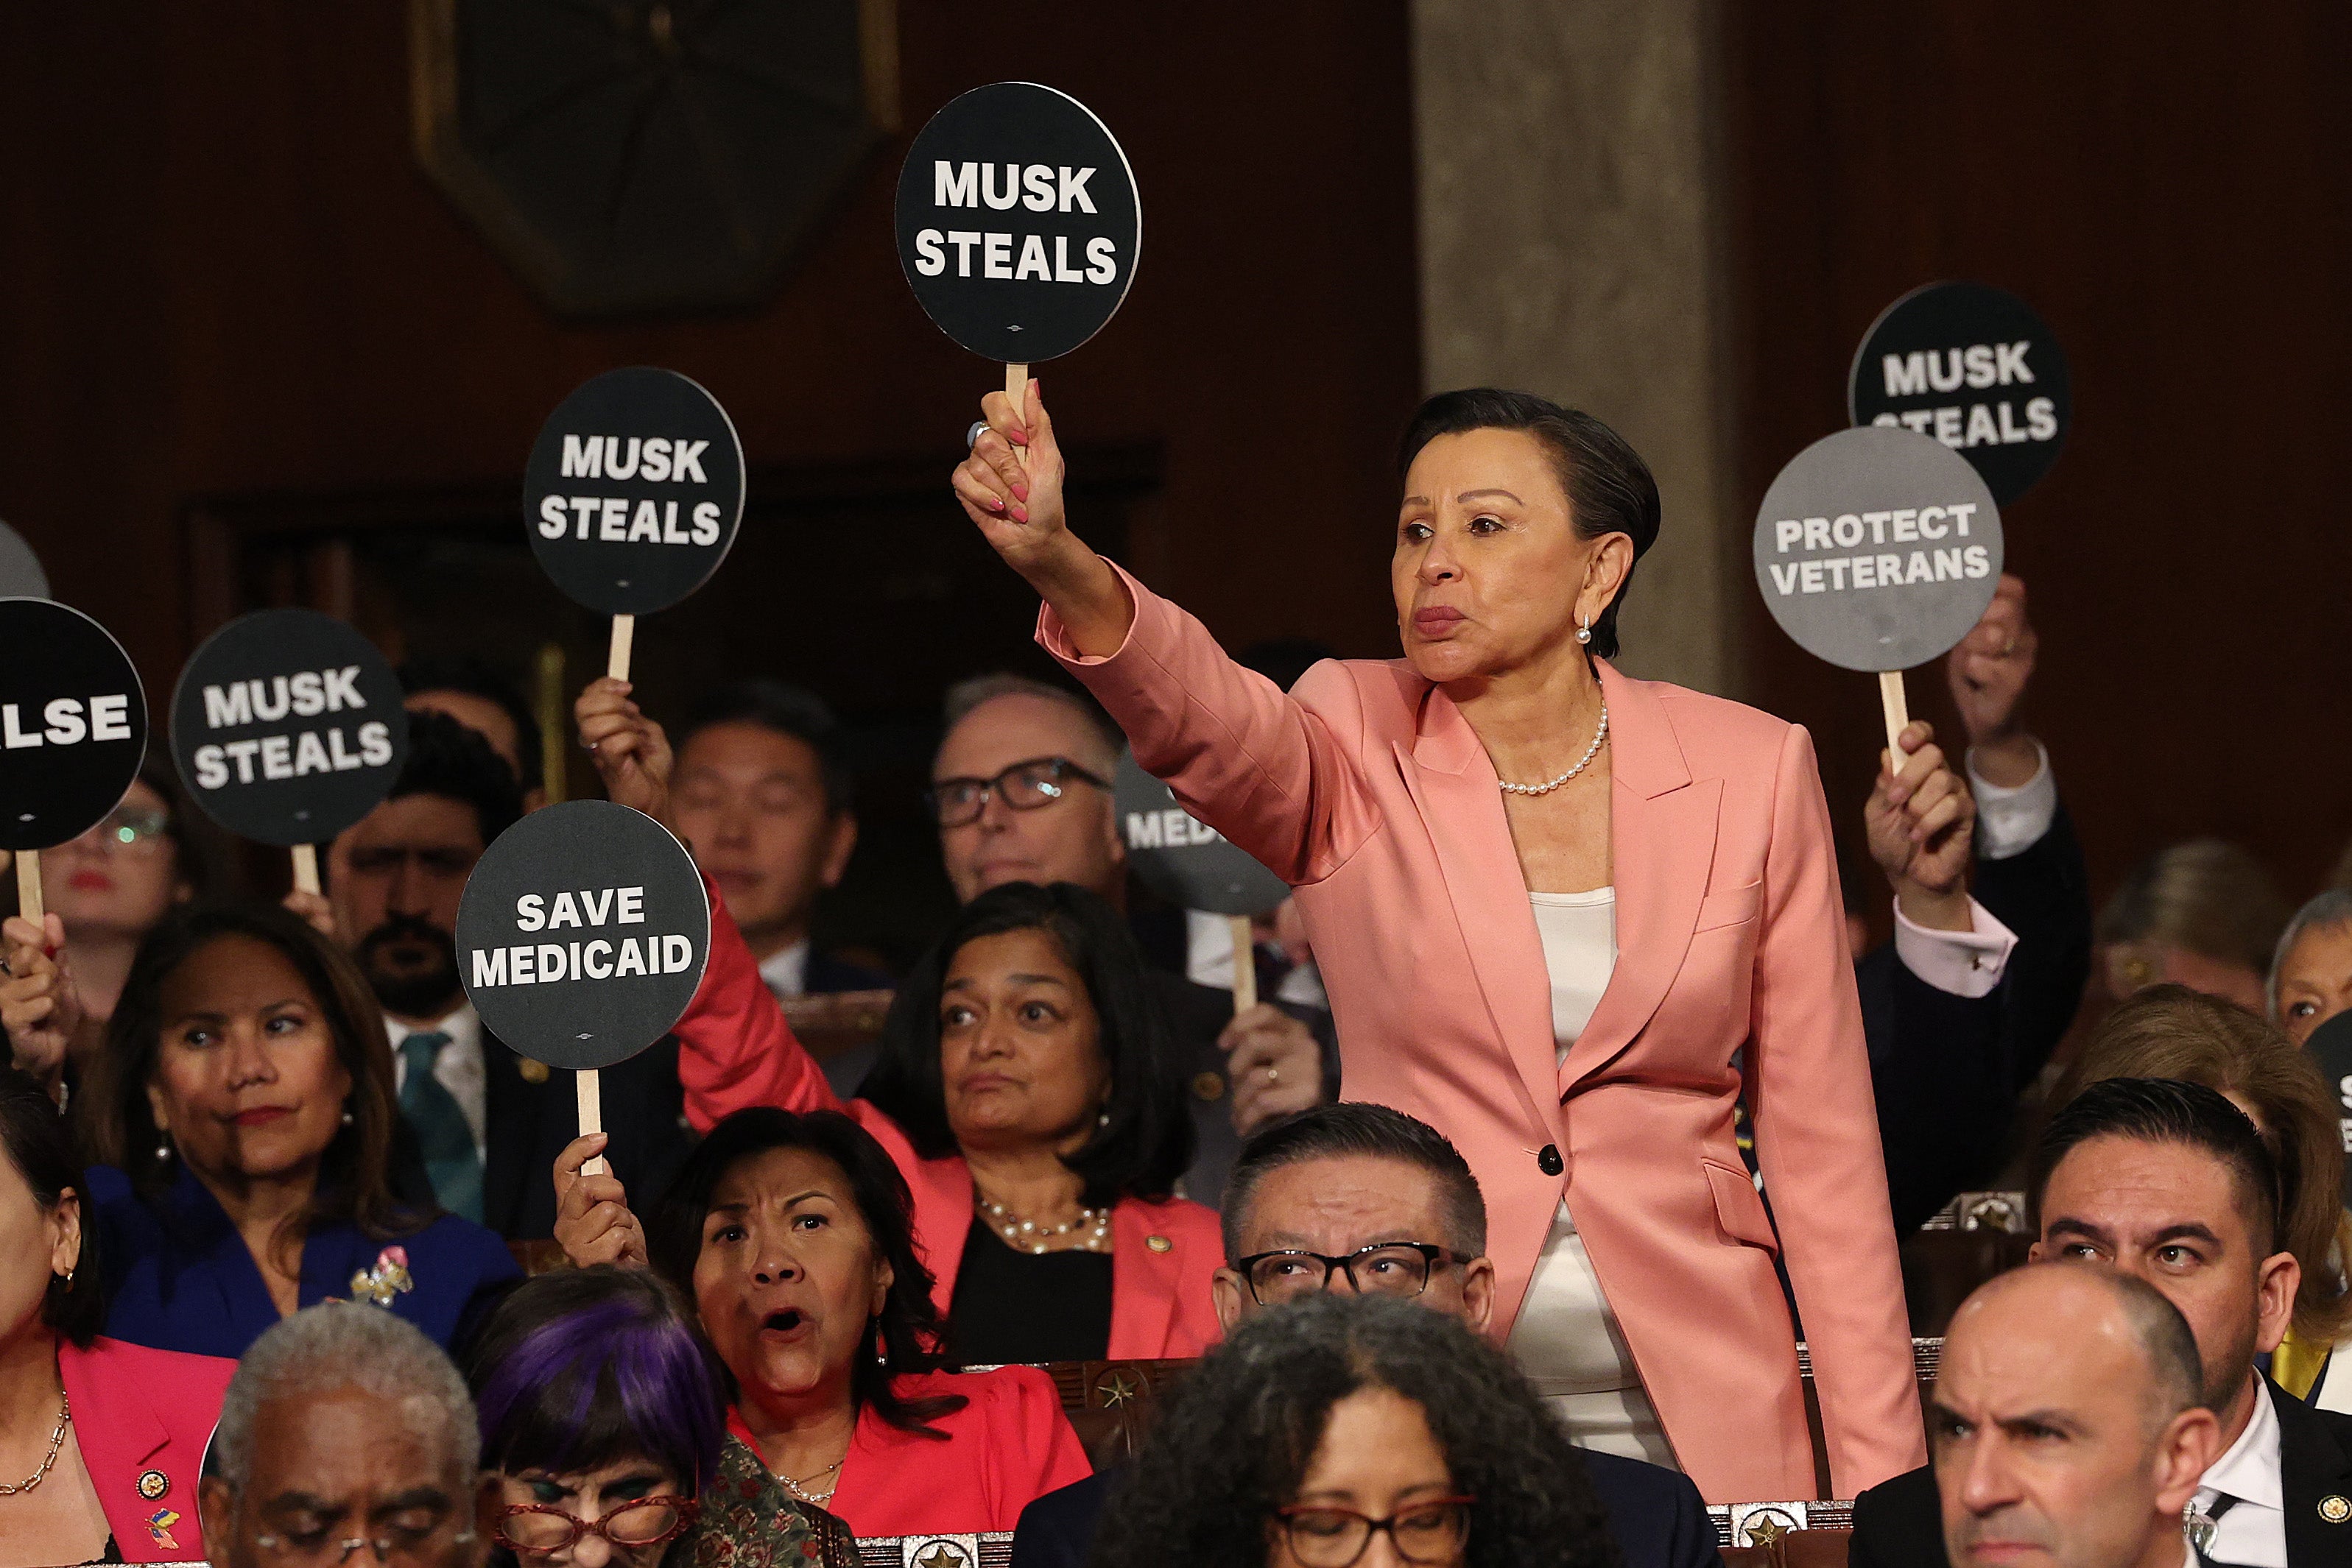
column 1567, row 918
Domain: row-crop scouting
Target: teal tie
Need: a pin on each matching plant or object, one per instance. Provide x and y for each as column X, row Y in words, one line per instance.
column 446, row 1138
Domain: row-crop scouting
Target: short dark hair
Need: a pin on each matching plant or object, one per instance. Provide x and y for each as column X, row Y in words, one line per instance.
column 33, row 1135
column 1145, row 1140
column 908, row 1331
column 476, row 678
column 1610, row 489
column 2168, row 1111
column 1240, row 1431
column 788, row 710
column 447, row 759
column 354, row 1181
column 967, row 696
column 586, row 1367
column 1352, row 1131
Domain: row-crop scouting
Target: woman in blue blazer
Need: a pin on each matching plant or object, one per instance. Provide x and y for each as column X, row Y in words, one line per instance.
column 243, row 1115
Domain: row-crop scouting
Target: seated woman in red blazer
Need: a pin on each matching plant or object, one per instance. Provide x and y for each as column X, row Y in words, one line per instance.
column 1019, row 1088
column 1567, row 918
column 792, row 1236
column 116, row 1435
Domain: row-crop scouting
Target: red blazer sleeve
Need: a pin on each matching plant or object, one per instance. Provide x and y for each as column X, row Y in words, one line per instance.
column 1031, row 1449
column 1269, row 771
column 734, row 1048
column 1817, row 1145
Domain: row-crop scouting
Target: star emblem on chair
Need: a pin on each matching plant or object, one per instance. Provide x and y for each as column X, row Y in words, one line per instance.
column 943, row 1554
column 1765, row 1526
column 1117, row 1388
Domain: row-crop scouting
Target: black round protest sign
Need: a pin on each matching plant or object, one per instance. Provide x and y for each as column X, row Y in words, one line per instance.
column 582, row 933
column 73, row 723
column 21, row 576
column 635, row 491
column 1877, row 549
column 1974, row 368
column 287, row 726
column 2330, row 1046
column 1183, row 859
column 1018, row 222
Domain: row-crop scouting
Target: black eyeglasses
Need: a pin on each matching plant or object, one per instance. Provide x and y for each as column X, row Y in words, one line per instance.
column 1430, row 1531
column 1385, row 1269
column 1024, row 787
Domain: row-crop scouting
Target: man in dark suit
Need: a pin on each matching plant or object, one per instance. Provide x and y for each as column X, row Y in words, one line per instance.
column 2169, row 1182
column 1366, row 1199
column 488, row 1123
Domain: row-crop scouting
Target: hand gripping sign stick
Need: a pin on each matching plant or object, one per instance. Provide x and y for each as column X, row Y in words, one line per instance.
column 1193, row 866
column 1876, row 550
column 1018, row 225
column 633, row 495
column 73, row 731
column 288, row 729
column 581, row 937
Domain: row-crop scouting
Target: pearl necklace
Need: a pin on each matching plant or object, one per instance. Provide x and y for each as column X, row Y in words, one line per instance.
column 817, row 1499
column 1591, row 751
column 1021, row 1233
column 57, row 1441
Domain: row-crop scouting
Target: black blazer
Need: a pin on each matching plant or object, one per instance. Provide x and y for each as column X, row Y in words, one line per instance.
column 529, row 1124
column 1946, row 1071
column 1900, row 1524
column 1656, row 1514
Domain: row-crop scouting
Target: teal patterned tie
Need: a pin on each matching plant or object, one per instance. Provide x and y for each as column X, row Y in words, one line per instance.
column 446, row 1139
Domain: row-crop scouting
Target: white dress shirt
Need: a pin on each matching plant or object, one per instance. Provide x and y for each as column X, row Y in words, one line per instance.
column 2009, row 822
column 786, row 972
column 458, row 1066
column 2253, row 1533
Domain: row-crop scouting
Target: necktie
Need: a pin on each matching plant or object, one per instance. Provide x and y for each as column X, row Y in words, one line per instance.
column 443, row 1133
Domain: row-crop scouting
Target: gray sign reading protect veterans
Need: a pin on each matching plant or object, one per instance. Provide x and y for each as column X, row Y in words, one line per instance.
column 1182, row 858
column 1877, row 549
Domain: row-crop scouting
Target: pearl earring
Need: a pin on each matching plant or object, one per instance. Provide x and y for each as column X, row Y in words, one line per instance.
column 162, row 1148
column 347, row 1115
column 1584, row 629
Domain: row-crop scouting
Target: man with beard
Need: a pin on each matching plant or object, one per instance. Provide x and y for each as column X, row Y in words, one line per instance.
column 487, row 1121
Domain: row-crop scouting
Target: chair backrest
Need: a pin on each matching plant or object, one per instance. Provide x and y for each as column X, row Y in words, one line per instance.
column 1111, row 1403
column 989, row 1549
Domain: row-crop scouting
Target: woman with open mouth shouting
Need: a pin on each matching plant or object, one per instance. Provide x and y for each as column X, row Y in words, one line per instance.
column 792, row 1236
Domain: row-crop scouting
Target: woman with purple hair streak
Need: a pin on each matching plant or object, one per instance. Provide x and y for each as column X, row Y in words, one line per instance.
column 603, row 1421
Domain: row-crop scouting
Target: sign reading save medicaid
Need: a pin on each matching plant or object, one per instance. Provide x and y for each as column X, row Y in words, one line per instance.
column 1018, row 222
column 634, row 491
column 1183, row 859
column 1877, row 549
column 73, row 723
column 1973, row 367
column 582, row 933
column 287, row 727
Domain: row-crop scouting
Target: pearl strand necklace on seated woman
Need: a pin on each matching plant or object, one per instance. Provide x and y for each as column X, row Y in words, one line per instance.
column 1026, row 1236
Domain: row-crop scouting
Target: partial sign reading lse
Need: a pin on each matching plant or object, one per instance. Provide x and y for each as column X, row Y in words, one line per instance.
column 1018, row 222
column 287, row 726
column 584, row 934
column 634, row 491
column 1877, row 549
column 1974, row 368
column 73, row 723
column 1182, row 858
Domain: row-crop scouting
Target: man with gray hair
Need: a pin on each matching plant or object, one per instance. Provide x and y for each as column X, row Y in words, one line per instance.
column 2067, row 1422
column 345, row 1428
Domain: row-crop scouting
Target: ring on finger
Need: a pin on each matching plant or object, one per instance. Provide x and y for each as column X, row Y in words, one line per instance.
column 971, row 436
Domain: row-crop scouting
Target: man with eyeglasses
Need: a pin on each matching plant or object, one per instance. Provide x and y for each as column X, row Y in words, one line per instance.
column 1367, row 1200
column 1021, row 789
column 346, row 1438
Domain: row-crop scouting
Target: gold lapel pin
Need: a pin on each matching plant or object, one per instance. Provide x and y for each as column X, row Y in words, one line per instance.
column 154, row 1485
column 1158, row 1243
column 2334, row 1510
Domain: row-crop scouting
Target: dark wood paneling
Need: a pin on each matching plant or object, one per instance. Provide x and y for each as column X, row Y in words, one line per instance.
column 2167, row 185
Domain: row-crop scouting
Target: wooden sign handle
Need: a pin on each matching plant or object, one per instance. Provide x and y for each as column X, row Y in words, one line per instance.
column 1245, row 963
column 29, row 885
column 591, row 1087
column 1016, row 387
column 306, row 868
column 625, row 634
column 1898, row 715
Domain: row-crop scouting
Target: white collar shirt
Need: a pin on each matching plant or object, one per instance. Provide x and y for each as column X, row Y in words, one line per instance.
column 2253, row 1533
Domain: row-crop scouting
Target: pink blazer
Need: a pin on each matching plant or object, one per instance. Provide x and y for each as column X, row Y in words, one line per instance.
column 1369, row 792
column 143, row 1417
column 735, row 1051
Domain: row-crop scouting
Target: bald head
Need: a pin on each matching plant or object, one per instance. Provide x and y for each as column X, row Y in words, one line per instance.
column 2066, row 1421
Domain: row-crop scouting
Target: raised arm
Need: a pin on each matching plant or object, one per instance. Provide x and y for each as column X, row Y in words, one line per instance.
column 1271, row 771
column 734, row 1048
column 1817, row 1145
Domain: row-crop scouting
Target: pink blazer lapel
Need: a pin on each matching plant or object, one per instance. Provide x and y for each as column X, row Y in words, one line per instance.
column 1662, row 844
column 1146, row 1282
column 1453, row 785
